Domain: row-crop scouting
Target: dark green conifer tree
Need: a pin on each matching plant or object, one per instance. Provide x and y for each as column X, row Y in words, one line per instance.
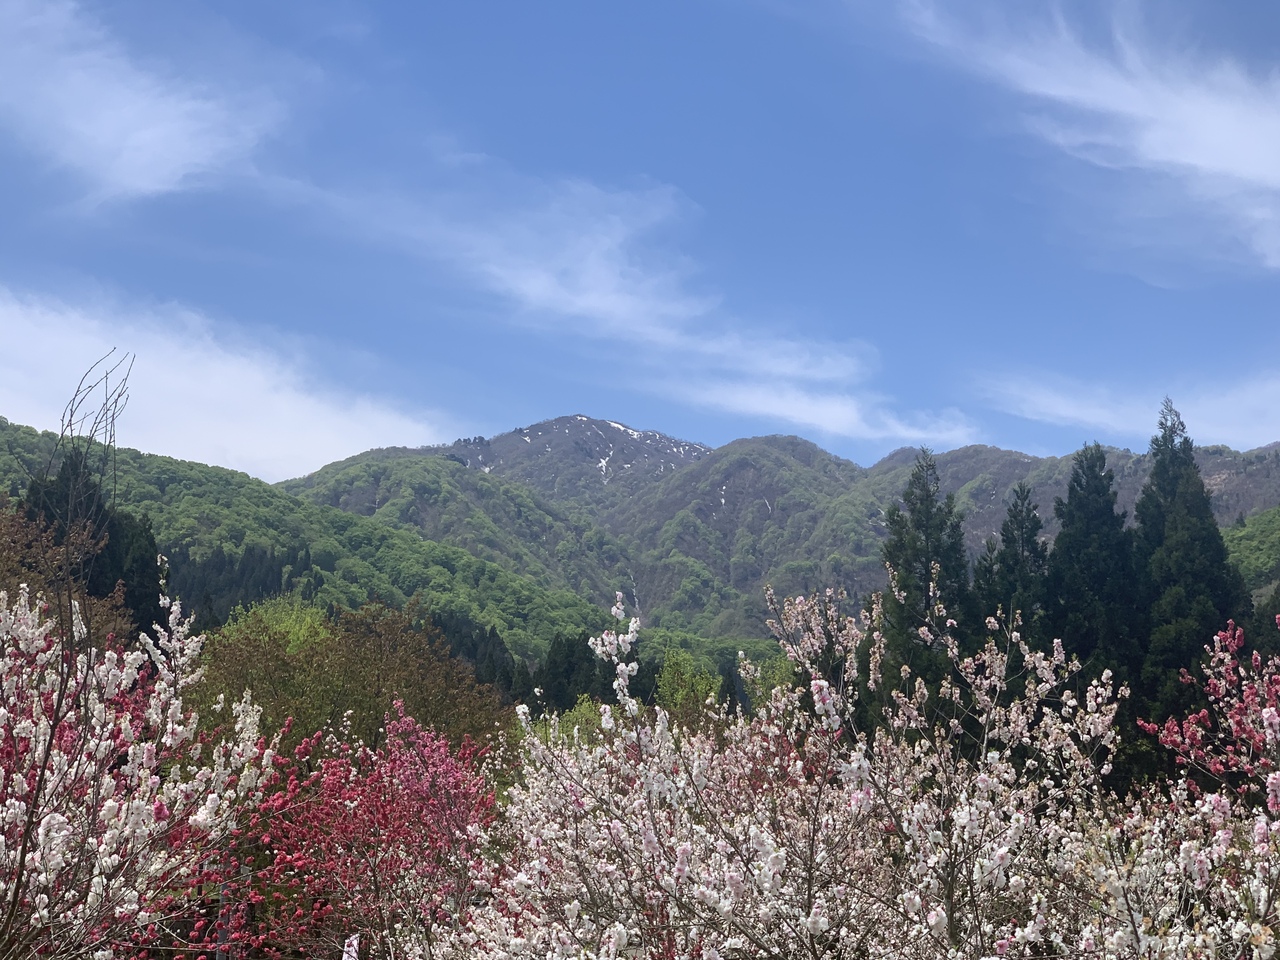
column 1091, row 601
column 569, row 670
column 125, row 547
column 1263, row 632
column 1011, row 574
column 987, row 587
column 1191, row 587
column 925, row 535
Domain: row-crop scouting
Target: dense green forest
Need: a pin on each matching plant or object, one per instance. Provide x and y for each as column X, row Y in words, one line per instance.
column 1255, row 545
column 500, row 521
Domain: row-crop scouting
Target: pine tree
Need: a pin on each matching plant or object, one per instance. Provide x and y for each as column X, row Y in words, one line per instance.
column 925, row 542
column 1091, row 583
column 1192, row 588
column 1011, row 575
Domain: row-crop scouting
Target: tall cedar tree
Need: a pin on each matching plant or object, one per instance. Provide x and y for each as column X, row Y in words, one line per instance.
column 925, row 532
column 1093, row 600
column 570, row 670
column 1092, row 584
column 1191, row 587
column 1011, row 574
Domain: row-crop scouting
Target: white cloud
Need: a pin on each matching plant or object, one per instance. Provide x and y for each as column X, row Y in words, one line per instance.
column 583, row 263
column 71, row 92
column 193, row 394
column 865, row 417
column 1240, row 411
column 1048, row 398
column 1203, row 130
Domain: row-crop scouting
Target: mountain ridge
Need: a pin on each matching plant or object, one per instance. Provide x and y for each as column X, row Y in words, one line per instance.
column 580, row 508
column 693, row 543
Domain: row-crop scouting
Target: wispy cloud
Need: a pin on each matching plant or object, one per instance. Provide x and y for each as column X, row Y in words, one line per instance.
column 1050, row 398
column 1238, row 411
column 574, row 260
column 194, row 393
column 588, row 264
column 70, row 91
column 1201, row 129
column 864, row 415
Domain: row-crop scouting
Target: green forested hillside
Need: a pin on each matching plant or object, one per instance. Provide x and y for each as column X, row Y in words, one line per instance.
column 531, row 532
column 1255, row 546
column 708, row 538
column 693, row 535
column 693, row 548
column 209, row 516
column 498, row 520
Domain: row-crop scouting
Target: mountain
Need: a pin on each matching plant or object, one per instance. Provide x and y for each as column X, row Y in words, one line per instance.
column 709, row 537
column 569, row 458
column 230, row 537
column 502, row 521
column 532, row 531
column 691, row 534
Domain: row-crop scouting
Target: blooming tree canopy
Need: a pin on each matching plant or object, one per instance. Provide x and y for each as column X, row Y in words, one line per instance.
column 112, row 808
column 381, row 844
column 950, row 826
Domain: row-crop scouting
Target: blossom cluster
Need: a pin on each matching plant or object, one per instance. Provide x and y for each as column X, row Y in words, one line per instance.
column 850, row 812
column 112, row 807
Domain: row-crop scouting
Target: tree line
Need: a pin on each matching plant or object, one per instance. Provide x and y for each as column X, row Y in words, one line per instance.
column 1138, row 599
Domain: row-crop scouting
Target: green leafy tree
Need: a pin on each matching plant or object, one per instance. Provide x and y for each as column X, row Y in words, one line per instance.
column 683, row 688
column 353, row 668
column 1191, row 587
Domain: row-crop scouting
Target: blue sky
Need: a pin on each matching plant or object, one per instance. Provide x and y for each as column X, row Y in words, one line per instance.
column 323, row 226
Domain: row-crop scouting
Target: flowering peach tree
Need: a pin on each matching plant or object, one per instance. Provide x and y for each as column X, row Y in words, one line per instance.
column 113, row 811
column 1219, row 829
column 853, row 812
column 957, row 824
column 381, row 843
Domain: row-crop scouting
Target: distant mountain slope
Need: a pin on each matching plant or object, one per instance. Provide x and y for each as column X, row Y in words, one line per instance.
column 981, row 477
column 693, row 535
column 1255, row 546
column 709, row 537
column 496, row 519
column 569, row 458
column 582, row 507
column 204, row 515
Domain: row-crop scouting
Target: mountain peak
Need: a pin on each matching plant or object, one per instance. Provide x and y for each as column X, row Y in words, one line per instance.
column 573, row 455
